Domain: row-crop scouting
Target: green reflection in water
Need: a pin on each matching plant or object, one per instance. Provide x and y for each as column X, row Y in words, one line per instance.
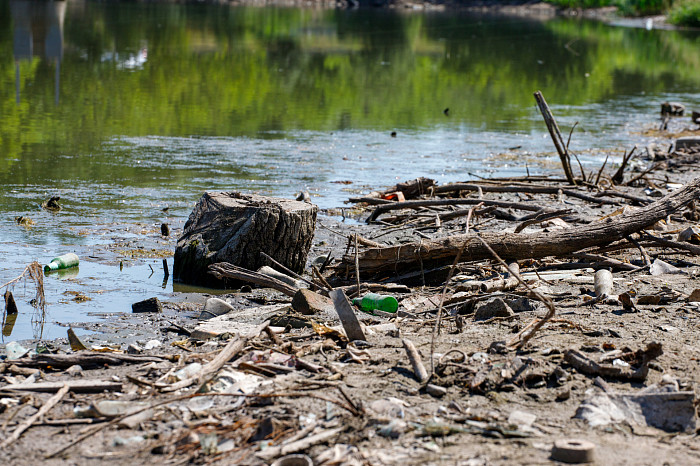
column 174, row 70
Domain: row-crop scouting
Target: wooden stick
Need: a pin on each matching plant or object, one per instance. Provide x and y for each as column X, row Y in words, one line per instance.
column 519, row 188
column 50, row 403
column 415, row 359
column 76, row 386
column 442, row 202
column 556, row 136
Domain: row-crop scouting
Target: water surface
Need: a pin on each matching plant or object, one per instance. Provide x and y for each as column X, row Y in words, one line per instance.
column 130, row 111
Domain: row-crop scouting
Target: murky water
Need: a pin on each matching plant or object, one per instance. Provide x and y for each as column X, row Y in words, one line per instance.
column 130, row 111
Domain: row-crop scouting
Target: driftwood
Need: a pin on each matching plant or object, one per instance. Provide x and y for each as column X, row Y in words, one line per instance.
column 235, row 227
column 76, row 386
column 519, row 188
column 84, row 360
column 226, row 270
column 443, row 202
column 511, row 246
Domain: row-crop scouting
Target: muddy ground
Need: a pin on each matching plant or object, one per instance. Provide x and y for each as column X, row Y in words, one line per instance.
column 360, row 402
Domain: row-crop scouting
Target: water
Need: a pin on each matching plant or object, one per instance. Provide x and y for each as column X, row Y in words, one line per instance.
column 130, row 111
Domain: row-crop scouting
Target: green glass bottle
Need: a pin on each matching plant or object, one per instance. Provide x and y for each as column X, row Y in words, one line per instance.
column 65, row 261
column 373, row 301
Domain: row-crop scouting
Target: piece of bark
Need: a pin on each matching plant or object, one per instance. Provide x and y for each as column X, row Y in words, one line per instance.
column 347, row 316
column 510, row 246
column 10, row 306
column 84, row 359
column 146, row 306
column 235, row 228
column 76, row 386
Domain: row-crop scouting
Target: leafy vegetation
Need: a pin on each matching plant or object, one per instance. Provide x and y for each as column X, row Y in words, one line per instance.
column 685, row 13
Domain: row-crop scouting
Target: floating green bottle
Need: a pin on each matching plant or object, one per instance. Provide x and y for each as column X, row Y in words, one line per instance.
column 65, row 261
column 373, row 301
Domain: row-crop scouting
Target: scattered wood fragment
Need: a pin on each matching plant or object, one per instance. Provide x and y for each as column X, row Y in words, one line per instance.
column 508, row 246
column 45, row 408
column 84, row 359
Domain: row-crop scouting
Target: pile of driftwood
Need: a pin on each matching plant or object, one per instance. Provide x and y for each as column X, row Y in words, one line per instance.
column 313, row 377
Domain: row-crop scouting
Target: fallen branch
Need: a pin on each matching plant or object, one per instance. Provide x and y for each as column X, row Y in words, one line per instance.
column 76, row 386
column 556, row 136
column 443, row 202
column 510, row 246
column 84, row 360
column 226, row 270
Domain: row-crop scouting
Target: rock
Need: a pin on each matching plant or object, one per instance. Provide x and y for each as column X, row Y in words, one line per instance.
column 164, row 229
column 309, row 303
column 672, row 108
column 133, row 348
column 435, row 390
column 493, row 308
column 74, row 370
column 689, row 144
column 152, row 344
column 215, row 307
column 521, row 304
column 234, row 227
column 690, row 235
column 148, row 305
column 696, row 118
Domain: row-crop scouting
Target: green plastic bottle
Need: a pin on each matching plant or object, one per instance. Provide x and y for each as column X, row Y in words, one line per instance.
column 65, row 261
column 373, row 301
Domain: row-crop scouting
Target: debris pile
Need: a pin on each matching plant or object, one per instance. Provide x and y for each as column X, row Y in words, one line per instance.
column 538, row 319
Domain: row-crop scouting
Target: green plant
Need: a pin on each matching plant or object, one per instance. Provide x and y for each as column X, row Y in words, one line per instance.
column 685, row 13
column 643, row 7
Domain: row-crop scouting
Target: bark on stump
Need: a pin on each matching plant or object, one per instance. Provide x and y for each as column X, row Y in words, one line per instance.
column 234, row 227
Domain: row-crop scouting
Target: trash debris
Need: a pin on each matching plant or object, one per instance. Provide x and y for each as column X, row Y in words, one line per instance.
column 664, row 408
column 373, row 301
column 573, row 451
column 66, row 261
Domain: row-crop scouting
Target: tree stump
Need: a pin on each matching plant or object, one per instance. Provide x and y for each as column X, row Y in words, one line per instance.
column 234, row 227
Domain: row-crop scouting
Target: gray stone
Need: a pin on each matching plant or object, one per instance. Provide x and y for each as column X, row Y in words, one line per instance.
column 493, row 308
column 147, row 305
column 215, row 307
column 309, row 303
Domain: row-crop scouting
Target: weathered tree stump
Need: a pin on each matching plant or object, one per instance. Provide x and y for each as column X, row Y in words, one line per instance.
column 235, row 228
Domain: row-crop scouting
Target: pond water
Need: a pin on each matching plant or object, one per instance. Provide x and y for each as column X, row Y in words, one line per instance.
column 130, row 111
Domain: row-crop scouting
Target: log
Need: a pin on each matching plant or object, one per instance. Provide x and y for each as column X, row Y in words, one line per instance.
column 511, row 246
column 76, row 386
column 233, row 227
column 84, row 360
